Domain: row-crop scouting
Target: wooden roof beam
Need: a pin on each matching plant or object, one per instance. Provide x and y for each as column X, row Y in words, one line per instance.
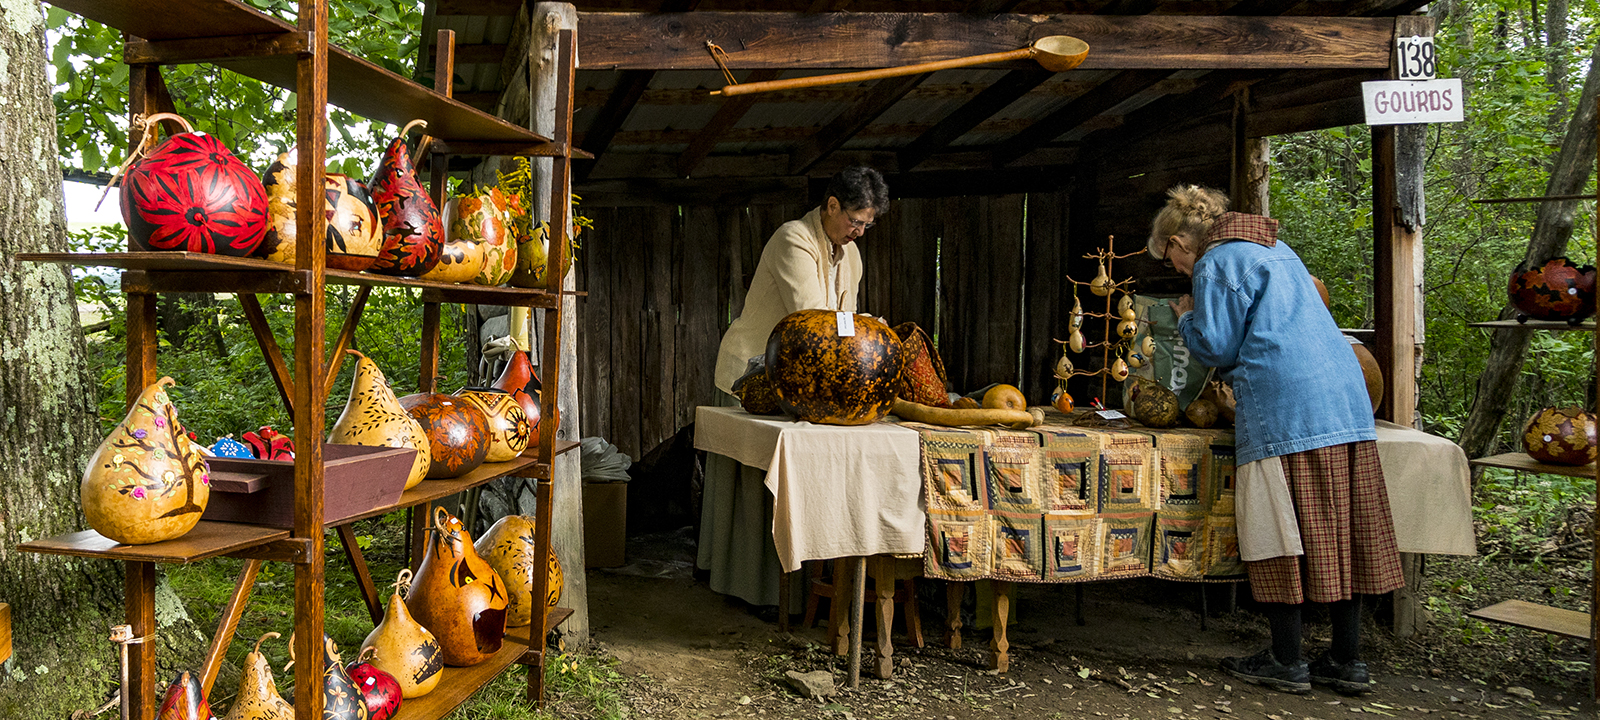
column 474, row 54
column 630, row 86
column 993, row 99
column 732, row 110
column 676, row 41
column 1109, row 94
column 833, row 136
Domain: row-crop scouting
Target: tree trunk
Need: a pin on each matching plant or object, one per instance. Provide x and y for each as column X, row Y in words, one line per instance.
column 1573, row 163
column 62, row 608
column 1556, row 46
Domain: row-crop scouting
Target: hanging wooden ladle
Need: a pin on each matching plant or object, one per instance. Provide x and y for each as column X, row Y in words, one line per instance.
column 1056, row 53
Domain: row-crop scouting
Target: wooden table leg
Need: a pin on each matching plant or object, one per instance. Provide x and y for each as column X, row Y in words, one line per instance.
column 858, row 601
column 953, row 590
column 883, row 583
column 783, row 600
column 228, row 624
column 913, row 614
column 1000, row 660
column 838, row 613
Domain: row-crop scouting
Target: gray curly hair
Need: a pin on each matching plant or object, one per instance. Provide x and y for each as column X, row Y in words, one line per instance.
column 1190, row 210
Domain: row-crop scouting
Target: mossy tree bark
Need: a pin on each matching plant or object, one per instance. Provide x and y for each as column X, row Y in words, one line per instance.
column 62, row 608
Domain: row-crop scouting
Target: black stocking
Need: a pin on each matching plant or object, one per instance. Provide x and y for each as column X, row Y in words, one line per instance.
column 1285, row 621
column 1346, row 617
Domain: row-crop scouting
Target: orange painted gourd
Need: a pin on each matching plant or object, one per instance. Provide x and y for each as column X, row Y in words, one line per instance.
column 508, row 548
column 457, row 596
column 515, row 379
column 509, row 430
column 258, row 697
column 412, row 232
column 458, row 433
column 354, row 236
column 822, row 377
column 184, row 700
column 147, row 482
column 404, row 648
column 1561, row 436
column 373, row 417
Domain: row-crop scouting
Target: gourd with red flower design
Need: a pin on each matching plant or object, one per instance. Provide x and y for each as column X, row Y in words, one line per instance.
column 1557, row 290
column 412, row 233
column 458, row 432
column 192, row 194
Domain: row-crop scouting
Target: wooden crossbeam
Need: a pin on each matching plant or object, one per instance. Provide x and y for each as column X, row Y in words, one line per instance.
column 676, row 41
column 1109, row 94
column 732, row 110
column 624, row 95
column 832, row 137
column 475, row 53
column 991, row 100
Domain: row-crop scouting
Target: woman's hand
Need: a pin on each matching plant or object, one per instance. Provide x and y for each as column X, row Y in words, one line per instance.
column 1183, row 305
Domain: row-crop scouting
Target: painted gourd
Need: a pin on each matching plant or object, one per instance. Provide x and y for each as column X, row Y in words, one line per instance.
column 1152, row 404
column 457, row 596
column 509, row 430
column 821, row 377
column 1557, row 290
column 482, row 216
column 184, row 700
column 340, row 698
column 412, row 232
column 458, row 432
column 380, row 692
column 404, row 648
column 373, row 417
column 268, row 444
column 258, row 697
column 192, row 194
column 532, row 254
column 465, row 236
column 508, row 548
column 1560, row 436
column 1371, row 372
column 515, row 379
column 354, row 235
column 147, row 482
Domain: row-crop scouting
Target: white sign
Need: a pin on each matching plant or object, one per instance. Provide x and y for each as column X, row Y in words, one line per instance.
column 846, row 321
column 1416, row 58
column 1402, row 102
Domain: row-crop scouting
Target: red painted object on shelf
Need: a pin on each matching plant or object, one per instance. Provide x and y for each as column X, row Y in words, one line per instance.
column 1557, row 290
column 192, row 194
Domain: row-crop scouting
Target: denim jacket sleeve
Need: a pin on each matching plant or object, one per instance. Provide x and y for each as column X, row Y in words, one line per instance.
column 1215, row 329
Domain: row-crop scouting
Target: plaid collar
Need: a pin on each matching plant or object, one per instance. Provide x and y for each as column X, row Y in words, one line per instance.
column 1258, row 229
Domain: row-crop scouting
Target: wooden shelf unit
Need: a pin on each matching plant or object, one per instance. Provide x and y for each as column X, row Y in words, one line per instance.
column 297, row 56
column 1552, row 325
column 1526, row 463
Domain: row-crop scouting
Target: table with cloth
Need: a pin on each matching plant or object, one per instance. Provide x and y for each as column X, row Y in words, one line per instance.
column 1056, row 503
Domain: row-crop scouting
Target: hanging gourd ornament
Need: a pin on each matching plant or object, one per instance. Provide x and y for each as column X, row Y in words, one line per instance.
column 147, row 482
column 258, row 697
column 508, row 548
column 1148, row 346
column 404, row 648
column 1125, row 308
column 1077, row 311
column 1119, row 370
column 191, row 194
column 457, row 596
column 1101, row 284
column 373, row 417
column 1127, row 328
column 1062, row 402
column 1063, row 367
column 184, row 700
column 380, row 692
column 412, row 232
column 1136, row 359
column 1076, row 341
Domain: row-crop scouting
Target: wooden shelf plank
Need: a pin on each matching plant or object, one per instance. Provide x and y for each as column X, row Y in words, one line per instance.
column 1543, row 618
column 353, row 83
column 207, row 540
column 1526, row 463
column 1556, row 325
column 430, row 490
column 458, row 684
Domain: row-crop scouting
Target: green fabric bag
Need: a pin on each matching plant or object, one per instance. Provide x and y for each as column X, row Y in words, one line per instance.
column 1172, row 365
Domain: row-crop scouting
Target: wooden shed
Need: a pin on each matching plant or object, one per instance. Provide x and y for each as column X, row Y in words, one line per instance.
column 1002, row 175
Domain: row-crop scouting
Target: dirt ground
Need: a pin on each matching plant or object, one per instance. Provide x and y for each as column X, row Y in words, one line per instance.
column 691, row 653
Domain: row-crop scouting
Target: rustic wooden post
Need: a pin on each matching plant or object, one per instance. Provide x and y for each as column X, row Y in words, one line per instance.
column 1251, row 178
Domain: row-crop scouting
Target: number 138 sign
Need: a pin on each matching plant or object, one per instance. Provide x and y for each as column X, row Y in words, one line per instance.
column 1416, row 58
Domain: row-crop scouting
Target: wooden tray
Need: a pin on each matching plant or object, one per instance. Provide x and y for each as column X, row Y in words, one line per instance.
column 357, row 479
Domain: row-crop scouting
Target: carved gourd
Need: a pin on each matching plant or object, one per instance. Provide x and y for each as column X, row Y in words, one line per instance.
column 184, row 700
column 509, row 430
column 258, row 697
column 514, row 379
column 499, row 245
column 354, row 236
column 147, row 482
column 533, row 255
column 458, row 432
column 190, row 193
column 341, row 700
column 457, row 596
column 412, row 232
column 461, row 257
column 373, row 417
column 379, row 690
column 508, row 548
column 404, row 648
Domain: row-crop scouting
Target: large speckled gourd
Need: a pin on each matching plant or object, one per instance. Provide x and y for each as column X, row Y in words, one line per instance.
column 404, row 648
column 373, row 417
column 457, row 596
column 147, row 482
column 508, row 548
column 824, row 377
column 1151, row 403
column 258, row 697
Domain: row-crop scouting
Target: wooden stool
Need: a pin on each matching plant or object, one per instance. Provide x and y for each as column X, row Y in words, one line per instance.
column 905, row 594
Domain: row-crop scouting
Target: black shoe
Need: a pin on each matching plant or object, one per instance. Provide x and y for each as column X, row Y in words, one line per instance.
column 1265, row 670
column 1347, row 679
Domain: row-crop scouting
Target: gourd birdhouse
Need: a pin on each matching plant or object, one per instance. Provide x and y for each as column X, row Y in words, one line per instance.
column 457, row 596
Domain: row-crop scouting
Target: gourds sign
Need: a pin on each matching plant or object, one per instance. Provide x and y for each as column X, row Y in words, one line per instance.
column 1395, row 102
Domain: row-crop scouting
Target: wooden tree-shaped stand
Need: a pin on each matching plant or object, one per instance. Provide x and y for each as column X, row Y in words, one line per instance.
column 1119, row 344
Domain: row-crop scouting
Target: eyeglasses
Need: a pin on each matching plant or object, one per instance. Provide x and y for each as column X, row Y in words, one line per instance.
column 859, row 225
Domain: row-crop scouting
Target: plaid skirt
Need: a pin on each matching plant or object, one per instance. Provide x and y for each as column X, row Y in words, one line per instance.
column 1345, row 527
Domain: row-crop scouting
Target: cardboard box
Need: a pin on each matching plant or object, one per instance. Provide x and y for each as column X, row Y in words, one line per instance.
column 605, row 524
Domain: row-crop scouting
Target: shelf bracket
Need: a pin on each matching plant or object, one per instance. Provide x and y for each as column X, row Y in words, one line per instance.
column 289, row 550
column 269, row 347
column 213, row 49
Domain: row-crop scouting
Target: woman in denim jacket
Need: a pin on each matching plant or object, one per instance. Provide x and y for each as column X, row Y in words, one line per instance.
column 1312, row 510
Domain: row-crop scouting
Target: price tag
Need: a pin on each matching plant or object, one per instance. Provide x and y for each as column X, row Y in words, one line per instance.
column 1416, row 58
column 847, row 323
column 1110, row 414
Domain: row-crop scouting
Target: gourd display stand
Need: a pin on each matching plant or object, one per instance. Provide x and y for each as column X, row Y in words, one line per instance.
column 297, row 56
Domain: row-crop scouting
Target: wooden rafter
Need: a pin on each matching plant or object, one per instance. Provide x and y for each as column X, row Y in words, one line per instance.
column 1109, row 94
column 832, row 137
column 658, row 41
column 630, row 86
column 727, row 116
column 993, row 99
column 794, row 133
column 984, row 7
column 475, row 53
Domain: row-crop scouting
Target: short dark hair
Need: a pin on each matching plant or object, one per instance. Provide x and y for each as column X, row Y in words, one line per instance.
column 859, row 187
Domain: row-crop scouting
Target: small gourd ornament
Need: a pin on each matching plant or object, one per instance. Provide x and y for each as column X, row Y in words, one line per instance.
column 457, row 596
column 514, row 379
column 258, row 697
column 373, row 417
column 404, row 648
column 412, row 233
column 1119, row 370
column 508, row 548
column 147, row 482
column 341, row 700
column 184, row 700
column 1101, row 284
column 509, row 430
column 379, row 690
